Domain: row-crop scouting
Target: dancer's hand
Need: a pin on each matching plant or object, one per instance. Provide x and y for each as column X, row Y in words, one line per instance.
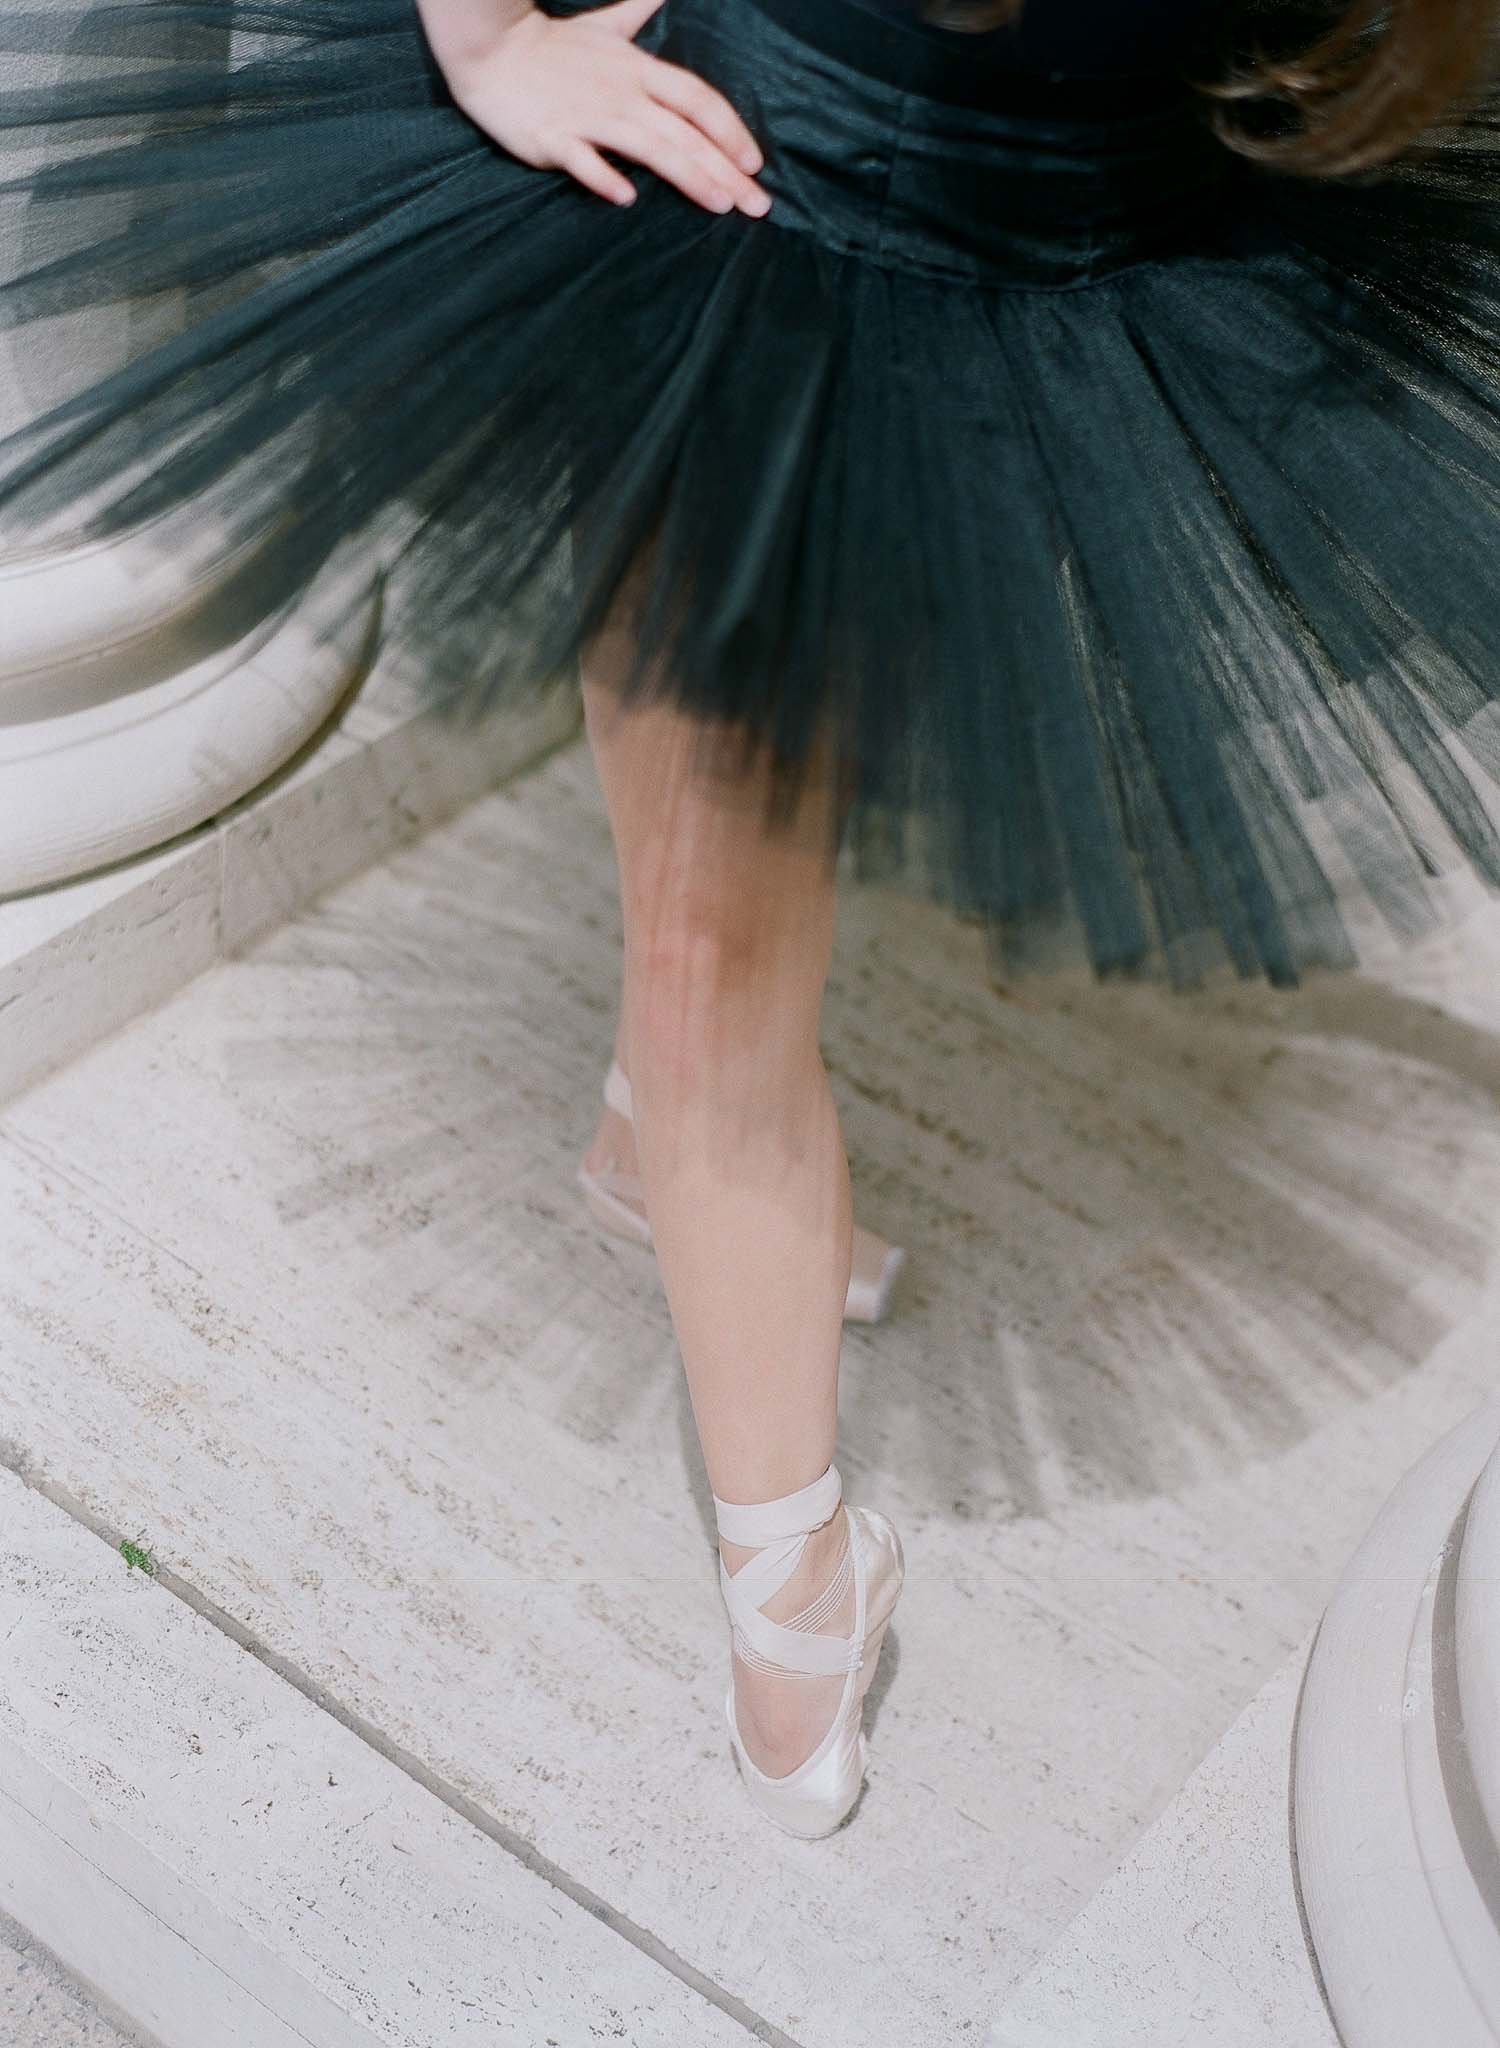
column 557, row 90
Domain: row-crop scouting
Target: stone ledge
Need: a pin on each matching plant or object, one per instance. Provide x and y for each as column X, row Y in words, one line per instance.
column 45, row 2005
column 1188, row 1944
column 82, row 958
column 225, row 1863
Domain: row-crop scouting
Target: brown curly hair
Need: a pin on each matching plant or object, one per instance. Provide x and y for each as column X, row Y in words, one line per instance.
column 1376, row 78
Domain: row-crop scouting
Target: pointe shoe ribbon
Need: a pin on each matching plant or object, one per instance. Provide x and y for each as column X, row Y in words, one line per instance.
column 778, row 1530
column 818, row 1795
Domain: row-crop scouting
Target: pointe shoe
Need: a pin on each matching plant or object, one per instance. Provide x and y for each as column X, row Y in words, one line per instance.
column 615, row 1199
column 812, row 1800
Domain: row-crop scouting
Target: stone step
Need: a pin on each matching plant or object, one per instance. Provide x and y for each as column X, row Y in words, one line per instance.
column 1326, row 1876
column 82, row 957
column 42, row 2005
column 294, row 1283
column 1197, row 1938
column 227, row 1863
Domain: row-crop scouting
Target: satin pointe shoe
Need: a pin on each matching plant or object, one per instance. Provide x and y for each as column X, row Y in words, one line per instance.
column 816, row 1797
column 616, row 1201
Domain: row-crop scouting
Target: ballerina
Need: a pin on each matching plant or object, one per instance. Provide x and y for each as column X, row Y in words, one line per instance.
column 1058, row 448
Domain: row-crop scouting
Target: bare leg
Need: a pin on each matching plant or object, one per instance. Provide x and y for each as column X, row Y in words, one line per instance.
column 727, row 941
column 612, row 1158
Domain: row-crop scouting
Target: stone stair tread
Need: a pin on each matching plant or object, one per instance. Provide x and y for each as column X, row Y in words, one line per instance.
column 179, row 1821
column 1197, row 1937
column 43, row 2006
column 293, row 1277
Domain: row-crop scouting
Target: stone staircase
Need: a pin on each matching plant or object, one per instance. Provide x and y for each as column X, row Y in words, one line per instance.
column 412, row 1734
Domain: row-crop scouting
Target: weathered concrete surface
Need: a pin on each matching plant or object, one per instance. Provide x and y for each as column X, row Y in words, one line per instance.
column 42, row 2007
column 1197, row 1937
column 180, row 1825
column 295, row 1281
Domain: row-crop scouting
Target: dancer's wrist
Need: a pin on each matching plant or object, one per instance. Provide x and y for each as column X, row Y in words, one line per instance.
column 464, row 34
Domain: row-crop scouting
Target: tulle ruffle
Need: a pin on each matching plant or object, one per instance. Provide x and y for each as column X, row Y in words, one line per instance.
column 1124, row 520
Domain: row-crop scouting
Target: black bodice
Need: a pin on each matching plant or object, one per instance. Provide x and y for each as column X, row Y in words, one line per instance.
column 1078, row 36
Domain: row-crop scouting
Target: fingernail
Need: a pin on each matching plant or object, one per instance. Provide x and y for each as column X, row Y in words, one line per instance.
column 752, row 162
column 758, row 203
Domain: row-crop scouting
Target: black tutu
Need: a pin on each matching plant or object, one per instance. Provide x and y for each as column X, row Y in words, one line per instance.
column 1125, row 516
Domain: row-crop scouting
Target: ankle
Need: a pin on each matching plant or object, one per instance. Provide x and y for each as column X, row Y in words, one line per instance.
column 815, row 1567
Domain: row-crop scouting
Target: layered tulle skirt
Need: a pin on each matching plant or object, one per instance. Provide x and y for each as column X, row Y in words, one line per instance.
column 1121, row 521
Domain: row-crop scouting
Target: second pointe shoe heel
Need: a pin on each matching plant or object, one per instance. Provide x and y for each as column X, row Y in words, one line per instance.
column 816, row 1797
column 615, row 1198
column 617, row 1203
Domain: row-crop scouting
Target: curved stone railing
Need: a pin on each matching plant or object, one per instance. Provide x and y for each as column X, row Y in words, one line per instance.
column 125, row 717
column 1477, row 1621
column 1397, row 1766
column 124, row 723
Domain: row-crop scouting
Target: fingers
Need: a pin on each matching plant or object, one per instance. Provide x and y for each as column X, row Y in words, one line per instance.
column 682, row 154
column 582, row 161
column 672, row 121
column 696, row 101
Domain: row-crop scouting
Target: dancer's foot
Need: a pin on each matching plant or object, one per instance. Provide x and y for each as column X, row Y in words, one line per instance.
column 795, row 1704
column 783, row 1716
